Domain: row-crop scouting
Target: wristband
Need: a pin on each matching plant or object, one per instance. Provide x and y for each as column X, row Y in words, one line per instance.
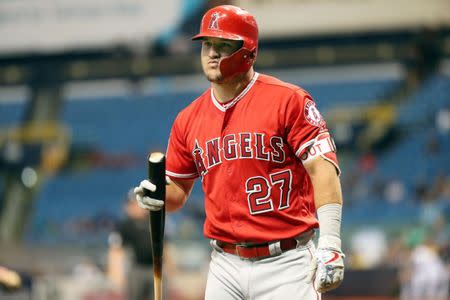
column 329, row 216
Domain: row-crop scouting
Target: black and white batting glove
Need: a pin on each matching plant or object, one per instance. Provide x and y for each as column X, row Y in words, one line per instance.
column 145, row 201
column 330, row 269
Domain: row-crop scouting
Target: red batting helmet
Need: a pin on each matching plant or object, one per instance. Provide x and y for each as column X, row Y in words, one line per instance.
column 232, row 23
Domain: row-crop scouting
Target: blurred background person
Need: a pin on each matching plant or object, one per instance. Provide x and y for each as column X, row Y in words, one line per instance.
column 425, row 275
column 130, row 265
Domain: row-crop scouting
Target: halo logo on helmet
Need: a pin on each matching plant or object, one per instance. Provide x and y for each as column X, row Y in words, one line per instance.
column 235, row 24
column 214, row 23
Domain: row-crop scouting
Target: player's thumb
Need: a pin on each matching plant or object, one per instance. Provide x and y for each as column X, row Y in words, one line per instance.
column 148, row 185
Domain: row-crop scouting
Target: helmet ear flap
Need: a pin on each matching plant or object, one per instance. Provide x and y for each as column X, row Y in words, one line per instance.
column 238, row 62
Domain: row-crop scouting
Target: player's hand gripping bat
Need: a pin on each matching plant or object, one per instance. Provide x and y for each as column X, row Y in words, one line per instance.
column 156, row 175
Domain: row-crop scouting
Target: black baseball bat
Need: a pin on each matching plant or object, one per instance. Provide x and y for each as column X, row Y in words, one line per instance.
column 157, row 175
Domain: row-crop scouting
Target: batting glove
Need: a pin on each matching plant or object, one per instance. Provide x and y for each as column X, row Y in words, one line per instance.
column 145, row 201
column 330, row 269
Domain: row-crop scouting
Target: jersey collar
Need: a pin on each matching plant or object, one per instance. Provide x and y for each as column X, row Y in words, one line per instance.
column 224, row 107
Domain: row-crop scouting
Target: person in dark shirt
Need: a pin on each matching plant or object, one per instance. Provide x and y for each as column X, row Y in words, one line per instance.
column 130, row 254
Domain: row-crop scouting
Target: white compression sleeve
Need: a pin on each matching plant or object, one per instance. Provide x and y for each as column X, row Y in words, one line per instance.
column 329, row 216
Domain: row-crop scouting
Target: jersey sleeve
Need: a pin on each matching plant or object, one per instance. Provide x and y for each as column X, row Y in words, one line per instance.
column 179, row 160
column 307, row 132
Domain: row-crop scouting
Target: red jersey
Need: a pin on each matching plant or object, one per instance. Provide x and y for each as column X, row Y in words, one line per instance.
column 249, row 154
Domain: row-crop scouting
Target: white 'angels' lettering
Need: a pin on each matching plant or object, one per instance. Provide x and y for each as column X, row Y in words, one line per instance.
column 244, row 145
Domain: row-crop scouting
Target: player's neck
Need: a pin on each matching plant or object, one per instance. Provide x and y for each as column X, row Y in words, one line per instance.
column 226, row 91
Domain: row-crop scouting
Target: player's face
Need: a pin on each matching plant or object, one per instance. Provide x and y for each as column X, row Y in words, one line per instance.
column 214, row 49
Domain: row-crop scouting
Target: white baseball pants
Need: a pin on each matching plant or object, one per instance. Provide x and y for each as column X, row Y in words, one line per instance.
column 282, row 277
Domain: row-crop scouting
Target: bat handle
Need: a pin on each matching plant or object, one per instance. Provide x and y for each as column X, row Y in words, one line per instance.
column 157, row 277
column 156, row 174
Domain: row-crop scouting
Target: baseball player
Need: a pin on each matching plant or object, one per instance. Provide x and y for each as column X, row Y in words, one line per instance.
column 267, row 164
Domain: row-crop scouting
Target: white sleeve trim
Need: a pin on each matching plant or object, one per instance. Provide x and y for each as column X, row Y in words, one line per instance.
column 316, row 147
column 305, row 145
column 178, row 175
